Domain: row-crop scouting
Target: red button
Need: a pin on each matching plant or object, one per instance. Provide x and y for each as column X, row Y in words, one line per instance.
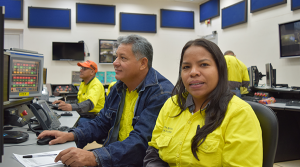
column 24, row 112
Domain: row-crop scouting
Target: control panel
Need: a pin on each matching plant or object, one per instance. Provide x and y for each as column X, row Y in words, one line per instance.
column 64, row 89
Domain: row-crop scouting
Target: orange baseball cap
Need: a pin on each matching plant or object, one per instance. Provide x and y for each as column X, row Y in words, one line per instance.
column 89, row 64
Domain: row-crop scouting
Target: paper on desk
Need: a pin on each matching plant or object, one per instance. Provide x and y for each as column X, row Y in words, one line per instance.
column 39, row 161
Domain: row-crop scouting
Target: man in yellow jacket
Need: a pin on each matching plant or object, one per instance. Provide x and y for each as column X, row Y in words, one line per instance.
column 238, row 76
column 90, row 96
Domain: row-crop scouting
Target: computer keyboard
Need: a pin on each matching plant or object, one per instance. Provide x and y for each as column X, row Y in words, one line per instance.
column 288, row 102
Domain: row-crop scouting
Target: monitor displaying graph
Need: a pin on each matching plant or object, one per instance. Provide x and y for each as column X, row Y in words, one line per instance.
column 110, row 76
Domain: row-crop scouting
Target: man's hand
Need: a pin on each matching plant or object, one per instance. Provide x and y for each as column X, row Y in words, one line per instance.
column 63, row 105
column 76, row 157
column 60, row 137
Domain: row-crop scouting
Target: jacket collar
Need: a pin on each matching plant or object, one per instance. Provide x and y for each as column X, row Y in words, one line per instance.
column 189, row 103
column 89, row 81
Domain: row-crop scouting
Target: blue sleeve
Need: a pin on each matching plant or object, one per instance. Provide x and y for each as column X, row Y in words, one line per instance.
column 94, row 130
column 132, row 150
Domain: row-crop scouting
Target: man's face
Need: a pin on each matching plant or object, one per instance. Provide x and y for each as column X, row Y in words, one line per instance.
column 85, row 73
column 127, row 67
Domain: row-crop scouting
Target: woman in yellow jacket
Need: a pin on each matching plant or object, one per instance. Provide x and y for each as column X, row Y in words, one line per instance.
column 204, row 124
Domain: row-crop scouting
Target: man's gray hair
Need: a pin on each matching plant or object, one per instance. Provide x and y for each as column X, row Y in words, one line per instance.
column 140, row 47
column 229, row 52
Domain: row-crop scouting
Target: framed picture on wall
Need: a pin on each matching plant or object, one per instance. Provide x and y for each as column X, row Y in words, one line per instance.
column 107, row 50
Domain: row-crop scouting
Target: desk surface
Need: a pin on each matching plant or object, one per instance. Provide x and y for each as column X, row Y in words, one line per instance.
column 30, row 146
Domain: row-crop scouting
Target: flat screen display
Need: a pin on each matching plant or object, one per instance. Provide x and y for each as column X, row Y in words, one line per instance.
column 67, row 51
column 289, row 36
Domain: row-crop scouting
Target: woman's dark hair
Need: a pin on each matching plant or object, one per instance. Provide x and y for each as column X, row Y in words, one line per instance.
column 218, row 98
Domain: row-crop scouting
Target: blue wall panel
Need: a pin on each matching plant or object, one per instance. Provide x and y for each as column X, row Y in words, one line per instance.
column 295, row 4
column 94, row 13
column 257, row 5
column 209, row 10
column 234, row 14
column 176, row 19
column 13, row 9
column 132, row 22
column 49, row 18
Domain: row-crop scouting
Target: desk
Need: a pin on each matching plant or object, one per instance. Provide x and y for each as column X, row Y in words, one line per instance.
column 30, row 146
column 288, row 147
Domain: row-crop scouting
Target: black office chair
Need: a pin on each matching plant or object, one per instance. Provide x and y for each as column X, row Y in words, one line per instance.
column 269, row 126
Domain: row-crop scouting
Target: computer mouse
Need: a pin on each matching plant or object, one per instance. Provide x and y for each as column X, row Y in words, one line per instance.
column 45, row 140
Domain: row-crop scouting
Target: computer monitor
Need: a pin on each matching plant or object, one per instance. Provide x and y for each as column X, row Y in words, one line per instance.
column 269, row 74
column 1, row 80
column 44, row 75
column 26, row 74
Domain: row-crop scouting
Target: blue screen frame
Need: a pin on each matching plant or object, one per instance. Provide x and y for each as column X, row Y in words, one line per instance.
column 13, row 9
column 95, row 13
column 209, row 10
column 56, row 18
column 235, row 14
column 137, row 22
column 177, row 19
column 295, row 4
column 258, row 5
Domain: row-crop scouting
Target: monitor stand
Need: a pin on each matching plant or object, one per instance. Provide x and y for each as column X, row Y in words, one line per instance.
column 12, row 137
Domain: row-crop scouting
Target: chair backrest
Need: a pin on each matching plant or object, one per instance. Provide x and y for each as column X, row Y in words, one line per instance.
column 269, row 126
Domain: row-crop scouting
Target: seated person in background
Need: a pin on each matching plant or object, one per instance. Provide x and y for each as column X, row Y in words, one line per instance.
column 204, row 124
column 129, row 113
column 238, row 76
column 110, row 86
column 90, row 98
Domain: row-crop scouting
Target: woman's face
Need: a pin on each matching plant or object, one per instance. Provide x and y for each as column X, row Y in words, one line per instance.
column 199, row 72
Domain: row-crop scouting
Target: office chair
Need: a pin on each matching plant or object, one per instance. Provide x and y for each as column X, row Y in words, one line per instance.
column 269, row 126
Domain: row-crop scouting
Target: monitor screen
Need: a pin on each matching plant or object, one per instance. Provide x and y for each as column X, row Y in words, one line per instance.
column 289, row 36
column 107, row 50
column 67, row 51
column 26, row 74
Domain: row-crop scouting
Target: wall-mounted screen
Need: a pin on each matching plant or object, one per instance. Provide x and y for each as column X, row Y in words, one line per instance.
column 68, row 51
column 295, row 4
column 235, row 14
column 135, row 22
column 101, row 76
column 107, row 50
column 95, row 13
column 13, row 9
column 110, row 77
column 257, row 5
column 176, row 19
column 49, row 18
column 289, row 36
column 209, row 10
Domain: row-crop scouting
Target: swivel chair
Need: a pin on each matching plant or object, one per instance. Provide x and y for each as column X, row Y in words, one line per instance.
column 269, row 126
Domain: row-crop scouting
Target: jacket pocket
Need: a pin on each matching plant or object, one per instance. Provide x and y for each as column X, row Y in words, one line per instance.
column 208, row 153
column 110, row 113
column 209, row 146
column 163, row 140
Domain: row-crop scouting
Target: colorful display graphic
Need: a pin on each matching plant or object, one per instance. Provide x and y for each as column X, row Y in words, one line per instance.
column 25, row 76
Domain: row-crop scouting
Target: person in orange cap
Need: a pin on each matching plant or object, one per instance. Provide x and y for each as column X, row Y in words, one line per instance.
column 90, row 96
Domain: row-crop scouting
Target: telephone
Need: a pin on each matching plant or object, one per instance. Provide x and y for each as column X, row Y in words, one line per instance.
column 45, row 116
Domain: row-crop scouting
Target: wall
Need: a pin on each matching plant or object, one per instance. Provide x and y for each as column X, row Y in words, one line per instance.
column 257, row 41
column 167, row 43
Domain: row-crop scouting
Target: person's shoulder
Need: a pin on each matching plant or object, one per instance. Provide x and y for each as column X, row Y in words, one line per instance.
column 237, row 104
